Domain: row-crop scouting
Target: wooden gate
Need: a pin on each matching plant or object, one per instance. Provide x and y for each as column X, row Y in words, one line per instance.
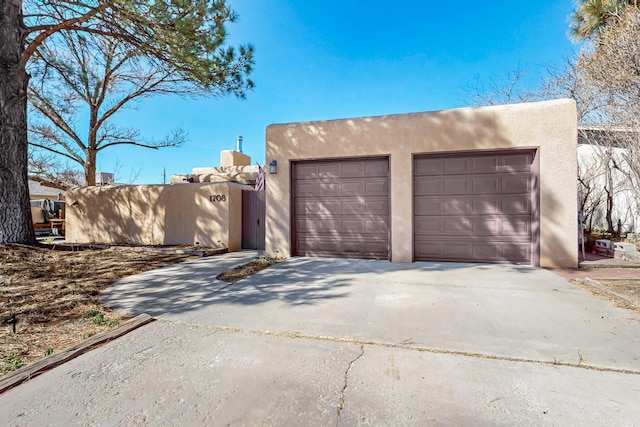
column 253, row 213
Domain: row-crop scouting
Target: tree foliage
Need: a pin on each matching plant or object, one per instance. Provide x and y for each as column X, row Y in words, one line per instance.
column 604, row 80
column 592, row 15
column 74, row 72
column 184, row 39
column 612, row 68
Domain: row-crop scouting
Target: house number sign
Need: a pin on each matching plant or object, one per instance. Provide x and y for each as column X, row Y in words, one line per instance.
column 218, row 198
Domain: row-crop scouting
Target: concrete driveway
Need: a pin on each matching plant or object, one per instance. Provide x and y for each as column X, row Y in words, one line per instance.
column 349, row 342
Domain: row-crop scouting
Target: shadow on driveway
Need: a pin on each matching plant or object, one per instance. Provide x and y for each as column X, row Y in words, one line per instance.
column 192, row 286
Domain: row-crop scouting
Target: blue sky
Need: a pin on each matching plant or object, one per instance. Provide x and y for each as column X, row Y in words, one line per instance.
column 330, row 59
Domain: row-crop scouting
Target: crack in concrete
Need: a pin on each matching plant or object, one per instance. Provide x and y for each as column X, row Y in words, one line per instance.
column 411, row 347
column 346, row 383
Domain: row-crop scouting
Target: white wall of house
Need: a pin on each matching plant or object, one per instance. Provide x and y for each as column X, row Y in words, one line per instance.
column 593, row 170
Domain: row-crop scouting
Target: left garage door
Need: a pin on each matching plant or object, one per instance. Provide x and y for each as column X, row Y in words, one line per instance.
column 341, row 208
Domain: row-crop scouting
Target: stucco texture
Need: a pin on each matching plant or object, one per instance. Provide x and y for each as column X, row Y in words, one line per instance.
column 549, row 126
column 183, row 214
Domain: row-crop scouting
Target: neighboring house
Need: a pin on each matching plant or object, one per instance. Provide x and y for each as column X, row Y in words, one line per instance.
column 490, row 184
column 47, row 207
column 39, row 191
column 597, row 154
column 234, row 167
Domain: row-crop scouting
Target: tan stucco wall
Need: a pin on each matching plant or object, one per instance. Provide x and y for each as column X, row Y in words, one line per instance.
column 180, row 214
column 234, row 158
column 549, row 125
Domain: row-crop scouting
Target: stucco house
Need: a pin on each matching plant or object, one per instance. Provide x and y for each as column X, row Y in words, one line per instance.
column 490, row 184
column 202, row 208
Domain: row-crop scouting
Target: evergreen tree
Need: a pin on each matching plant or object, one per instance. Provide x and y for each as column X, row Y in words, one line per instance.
column 182, row 38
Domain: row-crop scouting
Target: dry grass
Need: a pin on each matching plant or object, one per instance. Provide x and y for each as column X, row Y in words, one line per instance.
column 630, row 289
column 55, row 295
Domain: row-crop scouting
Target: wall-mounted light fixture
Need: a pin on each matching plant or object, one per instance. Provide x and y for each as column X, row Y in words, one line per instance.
column 273, row 167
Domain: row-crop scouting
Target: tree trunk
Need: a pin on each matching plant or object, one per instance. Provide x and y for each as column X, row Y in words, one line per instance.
column 90, row 166
column 15, row 212
column 609, row 202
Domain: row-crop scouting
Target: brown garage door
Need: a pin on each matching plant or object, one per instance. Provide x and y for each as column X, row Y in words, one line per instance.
column 476, row 207
column 341, row 208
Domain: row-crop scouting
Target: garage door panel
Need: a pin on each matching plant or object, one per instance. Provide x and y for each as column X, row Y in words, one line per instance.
column 327, row 171
column 326, row 189
column 365, row 206
column 485, row 165
column 341, row 208
column 306, row 189
column 455, row 185
column 354, row 225
column 306, row 206
column 376, row 188
column 457, row 250
column 485, row 185
column 355, row 207
column 456, row 166
column 474, row 207
column 377, row 206
column 345, row 206
column 520, row 204
column 432, row 206
column 481, row 185
column 517, row 183
column 457, row 226
column 515, row 227
column 332, row 226
column 428, row 206
column 317, row 225
column 489, row 251
column 352, row 188
column 487, row 227
column 517, row 162
column 376, row 249
column 429, row 227
column 348, row 247
column 496, row 252
column 516, row 252
column 379, row 168
column 486, row 206
column 494, row 228
column 306, row 171
column 428, row 185
column 327, row 245
column 427, row 167
column 376, row 226
column 352, row 169
column 324, row 207
column 341, row 189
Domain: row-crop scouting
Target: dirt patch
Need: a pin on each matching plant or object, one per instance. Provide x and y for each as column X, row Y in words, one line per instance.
column 624, row 293
column 53, row 296
column 242, row 271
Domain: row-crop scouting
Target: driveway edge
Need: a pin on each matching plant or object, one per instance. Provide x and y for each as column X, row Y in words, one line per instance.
column 33, row 370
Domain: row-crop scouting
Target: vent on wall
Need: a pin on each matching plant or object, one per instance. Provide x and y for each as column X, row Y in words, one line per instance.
column 104, row 178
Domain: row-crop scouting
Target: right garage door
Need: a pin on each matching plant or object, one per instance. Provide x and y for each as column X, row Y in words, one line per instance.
column 476, row 207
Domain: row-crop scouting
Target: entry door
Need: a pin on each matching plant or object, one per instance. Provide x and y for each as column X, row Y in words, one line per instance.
column 476, row 207
column 253, row 214
column 341, row 208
